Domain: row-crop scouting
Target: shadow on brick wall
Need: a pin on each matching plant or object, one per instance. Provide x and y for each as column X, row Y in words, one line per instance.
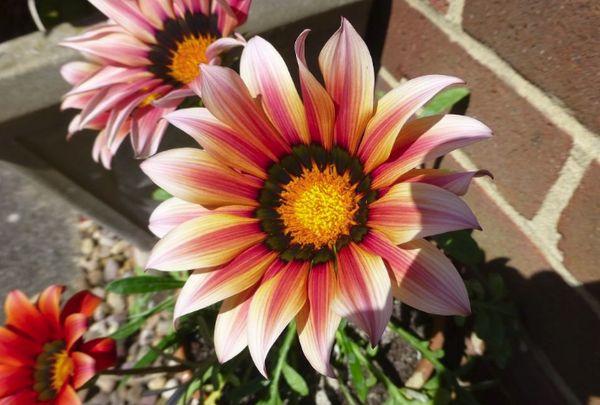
column 558, row 322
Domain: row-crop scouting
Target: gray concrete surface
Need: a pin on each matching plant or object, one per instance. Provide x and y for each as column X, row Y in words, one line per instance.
column 38, row 235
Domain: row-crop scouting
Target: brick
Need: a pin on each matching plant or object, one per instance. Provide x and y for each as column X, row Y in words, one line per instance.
column 527, row 150
column 546, row 303
column 553, row 43
column 579, row 227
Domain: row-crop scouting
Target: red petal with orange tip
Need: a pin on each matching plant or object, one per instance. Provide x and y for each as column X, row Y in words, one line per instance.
column 84, row 302
column 24, row 316
column 103, row 350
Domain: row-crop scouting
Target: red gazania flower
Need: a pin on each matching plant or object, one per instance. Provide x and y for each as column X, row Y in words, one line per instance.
column 43, row 358
column 310, row 208
column 140, row 64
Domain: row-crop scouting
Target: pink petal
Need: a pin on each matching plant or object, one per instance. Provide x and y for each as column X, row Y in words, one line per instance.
column 127, row 15
column 174, row 212
column 204, row 288
column 231, row 14
column 348, row 73
column 173, row 98
column 425, row 139
column 263, row 70
column 147, row 131
column 220, row 141
column 320, row 111
column 415, row 210
column 425, row 278
column 120, row 49
column 204, row 242
column 364, row 291
column 393, row 111
column 157, row 11
column 193, row 175
column 109, row 76
column 456, row 182
column 273, row 306
column 318, row 322
column 231, row 327
column 222, row 45
column 76, row 72
column 227, row 98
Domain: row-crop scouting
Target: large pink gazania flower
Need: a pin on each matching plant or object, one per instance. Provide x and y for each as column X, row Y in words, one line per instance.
column 310, row 208
column 140, row 65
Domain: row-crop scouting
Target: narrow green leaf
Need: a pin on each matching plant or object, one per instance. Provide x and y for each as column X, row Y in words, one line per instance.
column 143, row 284
column 135, row 324
column 295, row 380
column 444, row 101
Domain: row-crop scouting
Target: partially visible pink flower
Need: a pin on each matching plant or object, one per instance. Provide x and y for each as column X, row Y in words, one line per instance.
column 310, row 207
column 140, row 63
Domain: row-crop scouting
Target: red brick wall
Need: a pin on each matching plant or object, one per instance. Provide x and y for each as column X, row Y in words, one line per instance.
column 532, row 67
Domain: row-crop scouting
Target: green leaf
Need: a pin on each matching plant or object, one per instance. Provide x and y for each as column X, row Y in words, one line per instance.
column 143, row 284
column 444, row 101
column 151, row 355
column 496, row 286
column 461, row 246
column 136, row 323
column 295, row 380
column 160, row 195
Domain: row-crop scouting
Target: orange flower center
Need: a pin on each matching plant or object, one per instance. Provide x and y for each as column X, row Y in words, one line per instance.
column 53, row 369
column 186, row 59
column 319, row 206
column 62, row 370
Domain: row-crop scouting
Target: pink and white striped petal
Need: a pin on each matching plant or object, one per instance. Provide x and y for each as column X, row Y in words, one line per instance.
column 120, row 49
column 265, row 73
column 147, row 131
column 364, row 291
column 207, row 287
column 320, row 111
column 424, row 277
column 231, row 327
column 173, row 98
column 273, row 307
column 317, row 321
column 193, row 175
column 227, row 98
column 127, row 15
column 411, row 211
column 347, row 69
column 456, row 182
column 157, row 11
column 393, row 111
column 222, row 45
column 204, row 242
column 220, row 141
column 78, row 71
column 109, row 76
column 173, row 212
column 231, row 14
column 425, row 139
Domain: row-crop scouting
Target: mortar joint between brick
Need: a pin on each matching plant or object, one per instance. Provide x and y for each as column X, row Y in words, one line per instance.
column 548, row 106
column 455, row 12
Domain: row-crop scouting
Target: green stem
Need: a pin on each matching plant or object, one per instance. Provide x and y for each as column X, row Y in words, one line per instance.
column 283, row 351
column 145, row 370
column 418, row 345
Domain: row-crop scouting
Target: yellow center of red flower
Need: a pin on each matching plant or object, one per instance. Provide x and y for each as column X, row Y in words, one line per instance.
column 62, row 370
column 186, row 59
column 52, row 370
column 319, row 206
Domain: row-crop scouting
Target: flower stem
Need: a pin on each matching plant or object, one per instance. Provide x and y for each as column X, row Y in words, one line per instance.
column 418, row 345
column 145, row 370
column 283, row 351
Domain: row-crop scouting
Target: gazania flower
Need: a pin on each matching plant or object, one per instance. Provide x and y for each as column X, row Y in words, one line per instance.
column 310, row 208
column 140, row 65
column 43, row 358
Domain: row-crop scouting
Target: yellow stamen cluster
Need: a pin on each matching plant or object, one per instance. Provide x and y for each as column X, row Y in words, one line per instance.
column 319, row 206
column 62, row 370
column 149, row 99
column 186, row 59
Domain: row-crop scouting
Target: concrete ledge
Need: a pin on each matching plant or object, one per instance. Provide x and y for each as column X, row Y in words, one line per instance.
column 29, row 65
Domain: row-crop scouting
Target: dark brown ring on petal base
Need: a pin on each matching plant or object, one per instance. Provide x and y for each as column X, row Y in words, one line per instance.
column 174, row 33
column 302, row 159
